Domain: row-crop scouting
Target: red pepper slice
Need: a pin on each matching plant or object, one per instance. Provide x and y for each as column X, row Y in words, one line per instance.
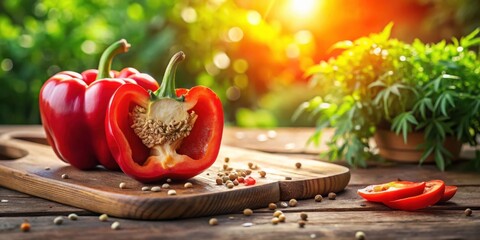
column 391, row 191
column 433, row 192
column 449, row 193
column 170, row 133
column 73, row 108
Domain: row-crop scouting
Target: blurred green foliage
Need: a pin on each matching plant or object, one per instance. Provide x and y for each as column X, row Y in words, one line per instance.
column 243, row 50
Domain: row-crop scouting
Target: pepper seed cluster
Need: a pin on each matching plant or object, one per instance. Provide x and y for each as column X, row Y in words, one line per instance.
column 155, row 132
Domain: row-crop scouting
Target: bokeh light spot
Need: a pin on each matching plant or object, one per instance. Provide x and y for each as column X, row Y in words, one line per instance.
column 221, row 60
column 233, row 93
column 26, row 41
column 235, row 34
column 135, row 11
column 303, row 37
column 7, row 64
column 253, row 17
column 292, row 51
column 89, row 47
column 189, row 15
column 211, row 69
column 240, row 65
column 241, row 81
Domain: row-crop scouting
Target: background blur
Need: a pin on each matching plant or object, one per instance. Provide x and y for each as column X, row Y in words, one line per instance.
column 253, row 54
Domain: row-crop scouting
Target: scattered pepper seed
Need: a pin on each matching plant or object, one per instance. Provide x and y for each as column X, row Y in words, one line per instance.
column 250, row 165
column 288, row 178
column 188, row 185
column 277, row 213
column 232, row 176
column 262, row 174
column 363, row 204
column 227, row 159
column 47, row 168
column 275, row 220
column 155, row 189
column 122, row 185
column 169, row 180
column 282, row 217
column 360, row 235
column 293, row 202
column 171, row 192
column 25, row 226
column 219, row 181
column 65, row 176
column 301, row 223
column 332, row 196
column 241, row 179
column 225, row 179
column 73, row 216
column 303, row 216
column 115, row 225
column 247, row 224
column 103, row 217
column 225, row 166
column 213, row 221
column 230, row 185
column 165, row 185
column 298, row 165
column 248, row 171
column 58, row 220
column 283, row 204
column 247, row 212
column 468, row 212
column 235, row 182
column 318, row 198
column 145, row 188
column 272, row 206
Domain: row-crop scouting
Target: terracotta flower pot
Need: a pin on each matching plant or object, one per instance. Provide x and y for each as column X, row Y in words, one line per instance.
column 392, row 147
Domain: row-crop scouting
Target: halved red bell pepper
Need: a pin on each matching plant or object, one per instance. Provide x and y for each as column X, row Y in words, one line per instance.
column 73, row 107
column 170, row 133
column 391, row 191
column 449, row 193
column 433, row 192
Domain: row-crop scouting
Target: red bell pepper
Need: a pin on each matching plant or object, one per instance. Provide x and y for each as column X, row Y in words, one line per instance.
column 434, row 190
column 449, row 193
column 170, row 133
column 391, row 191
column 73, row 107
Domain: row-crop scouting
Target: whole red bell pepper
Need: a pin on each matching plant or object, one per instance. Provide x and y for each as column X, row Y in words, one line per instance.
column 73, row 108
column 169, row 133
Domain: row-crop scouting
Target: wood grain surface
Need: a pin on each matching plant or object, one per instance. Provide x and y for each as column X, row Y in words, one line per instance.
column 341, row 218
column 30, row 166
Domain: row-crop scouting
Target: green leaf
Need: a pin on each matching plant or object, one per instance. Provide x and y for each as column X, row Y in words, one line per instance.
column 443, row 101
column 439, row 159
column 299, row 111
column 385, row 34
column 402, row 123
column 377, row 83
column 341, row 45
column 426, row 153
column 470, row 39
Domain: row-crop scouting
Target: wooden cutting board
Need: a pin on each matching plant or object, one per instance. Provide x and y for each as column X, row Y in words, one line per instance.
column 29, row 165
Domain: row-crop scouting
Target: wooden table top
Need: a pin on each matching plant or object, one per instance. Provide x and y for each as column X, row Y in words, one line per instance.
column 332, row 219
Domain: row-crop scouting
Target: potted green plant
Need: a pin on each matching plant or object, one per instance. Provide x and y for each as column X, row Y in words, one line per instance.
column 379, row 85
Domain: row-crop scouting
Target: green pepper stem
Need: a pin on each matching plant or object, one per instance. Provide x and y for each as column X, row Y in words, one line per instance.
column 105, row 64
column 167, row 88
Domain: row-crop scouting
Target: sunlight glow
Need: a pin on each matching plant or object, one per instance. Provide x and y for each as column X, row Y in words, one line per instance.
column 302, row 7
